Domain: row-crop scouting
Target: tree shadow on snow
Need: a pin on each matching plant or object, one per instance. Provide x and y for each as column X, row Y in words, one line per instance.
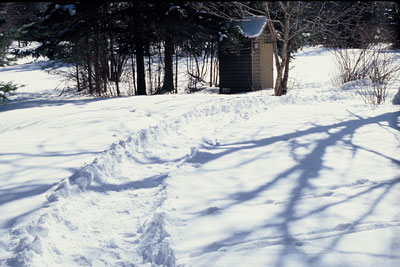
column 20, row 192
column 306, row 169
column 44, row 99
column 31, row 66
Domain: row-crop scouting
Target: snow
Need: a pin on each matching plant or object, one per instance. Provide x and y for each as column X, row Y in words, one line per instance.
column 70, row 8
column 172, row 8
column 251, row 27
column 307, row 179
column 396, row 98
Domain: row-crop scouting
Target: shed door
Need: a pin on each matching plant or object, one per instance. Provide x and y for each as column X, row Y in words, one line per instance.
column 266, row 66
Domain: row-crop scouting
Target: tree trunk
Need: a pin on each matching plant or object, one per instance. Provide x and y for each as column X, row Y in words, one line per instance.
column 78, row 84
column 139, row 46
column 149, row 68
column 286, row 73
column 89, row 67
column 133, row 74
column 168, row 84
column 117, row 82
column 97, row 72
column 211, row 64
column 176, row 71
column 282, row 66
column 104, row 62
column 140, row 70
column 159, row 66
column 90, row 82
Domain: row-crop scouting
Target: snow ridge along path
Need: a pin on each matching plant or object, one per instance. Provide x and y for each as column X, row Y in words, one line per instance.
column 78, row 224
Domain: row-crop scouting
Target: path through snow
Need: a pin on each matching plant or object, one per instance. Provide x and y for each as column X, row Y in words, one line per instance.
column 129, row 176
column 307, row 179
column 245, row 188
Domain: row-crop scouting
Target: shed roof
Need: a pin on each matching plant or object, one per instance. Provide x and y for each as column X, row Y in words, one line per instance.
column 251, row 27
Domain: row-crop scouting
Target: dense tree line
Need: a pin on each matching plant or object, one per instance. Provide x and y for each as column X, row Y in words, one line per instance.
column 100, row 38
column 141, row 42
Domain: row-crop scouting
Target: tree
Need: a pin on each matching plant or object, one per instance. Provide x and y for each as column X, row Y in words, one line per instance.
column 138, row 32
column 351, row 24
column 295, row 23
column 206, row 23
column 5, row 36
column 20, row 15
column 168, row 20
column 284, row 23
column 392, row 14
column 6, row 89
column 87, row 35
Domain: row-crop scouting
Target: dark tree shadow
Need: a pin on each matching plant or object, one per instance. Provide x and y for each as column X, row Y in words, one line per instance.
column 31, row 66
column 307, row 168
column 21, row 191
column 44, row 99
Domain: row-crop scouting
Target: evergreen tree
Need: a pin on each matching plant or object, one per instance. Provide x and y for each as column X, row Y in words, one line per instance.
column 5, row 37
column 140, row 16
column 87, row 35
column 168, row 19
column 6, row 89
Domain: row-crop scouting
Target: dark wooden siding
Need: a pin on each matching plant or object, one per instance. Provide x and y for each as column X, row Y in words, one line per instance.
column 235, row 69
column 241, row 71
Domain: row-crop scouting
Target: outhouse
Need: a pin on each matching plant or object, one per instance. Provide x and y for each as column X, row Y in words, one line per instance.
column 248, row 66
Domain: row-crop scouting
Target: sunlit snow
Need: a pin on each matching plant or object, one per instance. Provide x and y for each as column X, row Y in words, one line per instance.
column 307, row 179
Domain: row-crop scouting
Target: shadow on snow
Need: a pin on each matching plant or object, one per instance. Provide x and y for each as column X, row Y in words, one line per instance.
column 44, row 99
column 308, row 168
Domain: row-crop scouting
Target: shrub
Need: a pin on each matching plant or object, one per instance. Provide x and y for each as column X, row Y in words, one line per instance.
column 6, row 89
column 374, row 66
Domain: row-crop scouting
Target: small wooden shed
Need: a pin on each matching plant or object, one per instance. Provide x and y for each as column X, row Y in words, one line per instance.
column 249, row 68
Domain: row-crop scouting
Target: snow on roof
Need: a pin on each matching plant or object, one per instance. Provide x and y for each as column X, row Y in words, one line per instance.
column 251, row 27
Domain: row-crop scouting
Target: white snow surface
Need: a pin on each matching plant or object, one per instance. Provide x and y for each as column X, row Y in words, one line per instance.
column 307, row 179
column 251, row 27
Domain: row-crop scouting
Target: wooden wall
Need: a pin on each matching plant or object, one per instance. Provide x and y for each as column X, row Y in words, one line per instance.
column 248, row 70
column 262, row 64
column 256, row 65
column 266, row 66
column 235, row 70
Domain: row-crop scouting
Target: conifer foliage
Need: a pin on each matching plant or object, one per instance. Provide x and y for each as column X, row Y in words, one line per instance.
column 140, row 43
column 6, row 35
column 101, row 39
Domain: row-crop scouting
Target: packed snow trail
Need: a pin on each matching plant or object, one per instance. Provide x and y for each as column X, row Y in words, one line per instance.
column 125, row 187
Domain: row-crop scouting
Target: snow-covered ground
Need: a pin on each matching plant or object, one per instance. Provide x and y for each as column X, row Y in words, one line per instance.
column 307, row 179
